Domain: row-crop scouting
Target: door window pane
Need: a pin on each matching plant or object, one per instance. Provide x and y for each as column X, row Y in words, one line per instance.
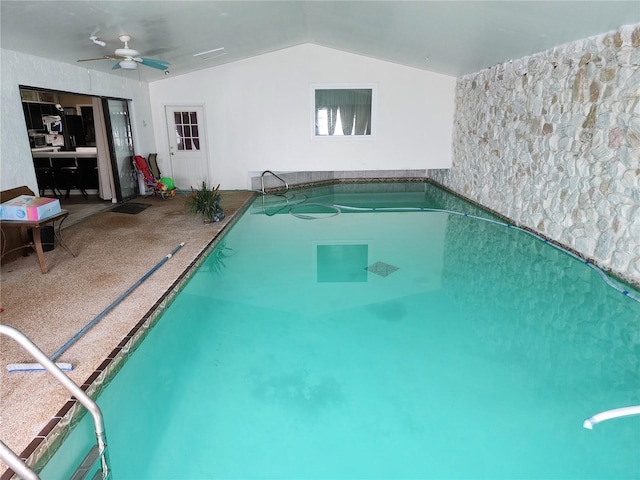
column 187, row 131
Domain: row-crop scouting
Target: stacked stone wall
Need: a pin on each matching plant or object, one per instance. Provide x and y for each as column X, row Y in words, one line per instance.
column 552, row 141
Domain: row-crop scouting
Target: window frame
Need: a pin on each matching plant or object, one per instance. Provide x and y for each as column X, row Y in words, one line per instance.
column 343, row 86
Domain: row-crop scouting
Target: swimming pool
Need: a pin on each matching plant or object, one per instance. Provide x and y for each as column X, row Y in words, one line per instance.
column 376, row 344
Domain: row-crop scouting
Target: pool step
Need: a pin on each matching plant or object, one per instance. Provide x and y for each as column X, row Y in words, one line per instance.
column 90, row 467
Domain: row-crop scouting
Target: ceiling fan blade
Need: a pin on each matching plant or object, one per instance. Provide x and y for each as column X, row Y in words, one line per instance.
column 156, row 60
column 116, row 66
column 154, row 63
column 105, row 57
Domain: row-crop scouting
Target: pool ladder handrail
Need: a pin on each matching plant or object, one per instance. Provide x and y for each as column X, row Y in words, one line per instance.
column 286, row 185
column 10, row 457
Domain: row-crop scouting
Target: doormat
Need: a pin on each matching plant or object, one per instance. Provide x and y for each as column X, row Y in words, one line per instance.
column 132, row 208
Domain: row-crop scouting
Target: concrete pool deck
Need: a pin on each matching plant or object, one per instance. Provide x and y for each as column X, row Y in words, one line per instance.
column 113, row 251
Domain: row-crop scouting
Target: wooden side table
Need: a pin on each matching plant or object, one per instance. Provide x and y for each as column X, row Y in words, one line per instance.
column 35, row 225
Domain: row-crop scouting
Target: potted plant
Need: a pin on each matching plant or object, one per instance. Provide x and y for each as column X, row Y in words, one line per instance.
column 206, row 201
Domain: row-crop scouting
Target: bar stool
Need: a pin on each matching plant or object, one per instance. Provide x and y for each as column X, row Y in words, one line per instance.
column 88, row 174
column 67, row 172
column 45, row 176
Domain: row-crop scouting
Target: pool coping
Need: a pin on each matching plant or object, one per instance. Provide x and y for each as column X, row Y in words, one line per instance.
column 45, row 444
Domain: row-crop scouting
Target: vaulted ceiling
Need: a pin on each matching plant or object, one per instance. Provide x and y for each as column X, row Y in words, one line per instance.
column 448, row 37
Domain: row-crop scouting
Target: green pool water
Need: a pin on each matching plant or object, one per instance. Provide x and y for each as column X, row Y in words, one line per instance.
column 377, row 345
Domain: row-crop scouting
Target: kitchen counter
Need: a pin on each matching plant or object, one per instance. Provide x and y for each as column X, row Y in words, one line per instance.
column 45, row 149
column 69, row 171
column 57, row 154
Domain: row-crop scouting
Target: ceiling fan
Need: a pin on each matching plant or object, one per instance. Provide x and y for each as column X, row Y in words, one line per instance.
column 129, row 58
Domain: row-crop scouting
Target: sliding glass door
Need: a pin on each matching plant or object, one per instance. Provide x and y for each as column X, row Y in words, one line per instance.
column 118, row 125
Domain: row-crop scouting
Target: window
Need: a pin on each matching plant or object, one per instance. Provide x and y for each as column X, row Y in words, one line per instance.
column 345, row 111
column 187, row 137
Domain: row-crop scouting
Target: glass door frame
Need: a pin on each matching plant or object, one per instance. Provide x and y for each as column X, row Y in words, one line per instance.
column 127, row 167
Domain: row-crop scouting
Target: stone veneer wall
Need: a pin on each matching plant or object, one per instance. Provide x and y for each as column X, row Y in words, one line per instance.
column 552, row 141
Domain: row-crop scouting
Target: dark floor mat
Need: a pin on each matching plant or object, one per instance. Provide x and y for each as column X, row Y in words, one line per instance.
column 132, row 208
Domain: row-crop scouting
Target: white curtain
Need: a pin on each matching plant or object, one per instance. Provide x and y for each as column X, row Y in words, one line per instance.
column 106, row 185
column 363, row 112
column 328, row 100
column 347, row 111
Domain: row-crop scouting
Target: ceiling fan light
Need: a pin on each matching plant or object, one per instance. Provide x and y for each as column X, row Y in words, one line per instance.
column 128, row 64
column 126, row 52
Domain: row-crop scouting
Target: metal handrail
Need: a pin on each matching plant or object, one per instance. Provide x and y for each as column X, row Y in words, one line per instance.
column 16, row 464
column 278, row 177
column 264, row 207
column 66, row 382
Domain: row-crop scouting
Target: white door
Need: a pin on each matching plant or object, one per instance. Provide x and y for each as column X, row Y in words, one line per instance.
column 187, row 148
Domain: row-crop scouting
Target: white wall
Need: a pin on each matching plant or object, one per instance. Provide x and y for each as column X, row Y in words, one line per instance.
column 258, row 114
column 16, row 165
